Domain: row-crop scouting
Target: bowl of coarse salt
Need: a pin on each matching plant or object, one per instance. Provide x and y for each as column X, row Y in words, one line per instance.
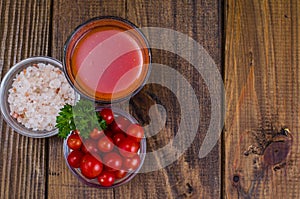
column 31, row 95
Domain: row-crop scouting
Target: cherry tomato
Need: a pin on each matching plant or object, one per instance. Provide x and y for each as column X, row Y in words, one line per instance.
column 74, row 141
column 74, row 158
column 105, row 144
column 128, row 147
column 106, row 178
column 120, row 125
column 109, row 133
column 89, row 146
column 117, row 138
column 135, row 132
column 90, row 167
column 120, row 173
column 96, row 134
column 132, row 163
column 98, row 157
column 107, row 115
column 113, row 161
column 76, row 131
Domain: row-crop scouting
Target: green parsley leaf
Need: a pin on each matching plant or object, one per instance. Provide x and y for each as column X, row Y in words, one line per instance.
column 82, row 117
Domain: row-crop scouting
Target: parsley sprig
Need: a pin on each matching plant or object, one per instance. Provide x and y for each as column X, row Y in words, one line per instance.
column 81, row 116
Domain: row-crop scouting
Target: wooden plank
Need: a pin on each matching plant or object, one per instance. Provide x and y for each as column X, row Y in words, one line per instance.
column 262, row 78
column 189, row 176
column 24, row 32
column 67, row 15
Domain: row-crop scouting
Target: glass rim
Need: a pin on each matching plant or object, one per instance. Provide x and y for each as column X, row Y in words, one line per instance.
column 87, row 96
column 6, row 85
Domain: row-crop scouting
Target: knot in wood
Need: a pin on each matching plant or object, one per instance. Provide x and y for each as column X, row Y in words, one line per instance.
column 276, row 152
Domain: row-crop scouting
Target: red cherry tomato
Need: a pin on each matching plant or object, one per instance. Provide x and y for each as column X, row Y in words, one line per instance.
column 109, row 133
column 89, row 146
column 106, row 178
column 128, row 147
column 120, row 173
column 117, row 138
column 113, row 161
column 76, row 131
column 96, row 134
column 120, row 125
column 74, row 158
column 131, row 163
column 74, row 141
column 107, row 115
column 98, row 157
column 90, row 167
column 135, row 132
column 105, row 144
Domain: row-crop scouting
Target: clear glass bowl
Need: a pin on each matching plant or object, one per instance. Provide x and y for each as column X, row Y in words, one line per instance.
column 6, row 85
column 95, row 26
column 129, row 176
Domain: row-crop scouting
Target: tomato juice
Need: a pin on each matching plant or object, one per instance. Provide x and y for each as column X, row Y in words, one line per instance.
column 107, row 59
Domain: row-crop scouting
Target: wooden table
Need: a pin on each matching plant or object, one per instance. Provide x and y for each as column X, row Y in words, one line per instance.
column 256, row 47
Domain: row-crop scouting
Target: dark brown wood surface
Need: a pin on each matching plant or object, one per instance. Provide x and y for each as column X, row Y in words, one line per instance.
column 257, row 156
column 24, row 32
column 35, row 168
column 262, row 92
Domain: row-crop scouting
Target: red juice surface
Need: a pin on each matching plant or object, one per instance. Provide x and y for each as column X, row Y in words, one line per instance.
column 108, row 63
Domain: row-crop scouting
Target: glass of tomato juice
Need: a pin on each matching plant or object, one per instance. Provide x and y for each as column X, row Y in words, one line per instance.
column 107, row 59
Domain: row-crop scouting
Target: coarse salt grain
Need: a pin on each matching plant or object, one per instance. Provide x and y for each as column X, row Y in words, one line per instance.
column 37, row 95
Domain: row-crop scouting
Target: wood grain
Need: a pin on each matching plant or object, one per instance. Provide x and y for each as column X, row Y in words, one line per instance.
column 262, row 79
column 35, row 168
column 24, row 32
column 262, row 98
column 67, row 15
column 188, row 177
